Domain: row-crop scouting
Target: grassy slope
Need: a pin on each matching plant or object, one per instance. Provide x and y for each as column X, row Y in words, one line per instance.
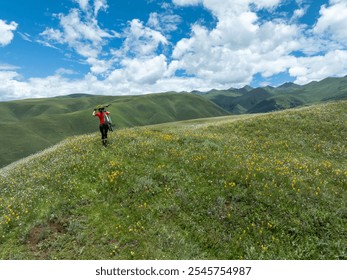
column 329, row 88
column 258, row 100
column 271, row 186
column 28, row 126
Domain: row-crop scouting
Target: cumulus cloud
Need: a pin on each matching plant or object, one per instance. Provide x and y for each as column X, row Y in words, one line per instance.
column 239, row 46
column 139, row 61
column 80, row 30
column 13, row 86
column 134, row 67
column 141, row 40
column 99, row 5
column 332, row 21
column 298, row 13
column 307, row 69
column 6, row 32
column 96, row 6
column 220, row 7
column 140, row 71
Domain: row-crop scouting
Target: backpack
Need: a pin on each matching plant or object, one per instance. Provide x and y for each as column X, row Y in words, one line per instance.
column 108, row 121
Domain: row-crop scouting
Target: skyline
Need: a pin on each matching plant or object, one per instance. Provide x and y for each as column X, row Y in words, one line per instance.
column 145, row 46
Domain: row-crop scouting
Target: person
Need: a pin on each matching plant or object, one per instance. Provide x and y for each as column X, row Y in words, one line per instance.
column 100, row 112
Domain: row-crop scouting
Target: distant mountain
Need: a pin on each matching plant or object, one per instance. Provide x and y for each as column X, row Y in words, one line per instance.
column 288, row 95
column 245, row 89
column 28, row 126
column 289, row 85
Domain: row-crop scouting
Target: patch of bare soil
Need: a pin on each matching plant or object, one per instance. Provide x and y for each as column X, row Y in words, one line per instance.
column 41, row 234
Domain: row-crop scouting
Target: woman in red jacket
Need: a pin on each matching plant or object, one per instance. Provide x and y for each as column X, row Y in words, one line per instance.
column 101, row 112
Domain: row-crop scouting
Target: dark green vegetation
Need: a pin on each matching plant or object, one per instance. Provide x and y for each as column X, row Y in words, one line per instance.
column 28, row 126
column 248, row 187
column 289, row 95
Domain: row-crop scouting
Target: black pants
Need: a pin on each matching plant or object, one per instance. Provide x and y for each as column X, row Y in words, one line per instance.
column 103, row 129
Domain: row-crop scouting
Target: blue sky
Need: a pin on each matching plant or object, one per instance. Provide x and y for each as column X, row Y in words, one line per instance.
column 121, row 47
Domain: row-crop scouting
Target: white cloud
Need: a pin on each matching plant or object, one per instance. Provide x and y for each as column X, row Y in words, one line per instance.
column 163, row 22
column 6, row 32
column 140, row 71
column 12, row 86
column 53, row 35
column 299, row 13
column 83, row 4
column 99, row 66
column 8, row 75
column 337, row 1
column 8, row 67
column 239, row 46
column 99, row 5
column 332, row 21
column 25, row 36
column 306, row 69
column 269, row 4
column 224, row 7
column 139, row 66
column 186, row 2
column 141, row 40
column 64, row 71
column 79, row 29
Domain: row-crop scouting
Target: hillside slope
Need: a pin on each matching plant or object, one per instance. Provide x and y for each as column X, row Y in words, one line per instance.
column 28, row 126
column 261, row 187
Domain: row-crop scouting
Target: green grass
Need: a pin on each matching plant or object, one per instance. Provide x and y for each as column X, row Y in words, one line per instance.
column 269, row 186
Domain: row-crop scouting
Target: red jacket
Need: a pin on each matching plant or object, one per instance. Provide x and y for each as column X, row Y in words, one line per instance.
column 101, row 116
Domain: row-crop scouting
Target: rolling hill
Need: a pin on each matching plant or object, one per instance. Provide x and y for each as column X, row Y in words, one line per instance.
column 28, row 126
column 288, row 95
column 269, row 186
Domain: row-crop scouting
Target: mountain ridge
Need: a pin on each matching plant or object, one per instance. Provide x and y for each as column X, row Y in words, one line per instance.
column 285, row 96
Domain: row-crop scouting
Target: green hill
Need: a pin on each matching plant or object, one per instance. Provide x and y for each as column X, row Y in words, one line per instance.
column 288, row 95
column 28, row 126
column 269, row 186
